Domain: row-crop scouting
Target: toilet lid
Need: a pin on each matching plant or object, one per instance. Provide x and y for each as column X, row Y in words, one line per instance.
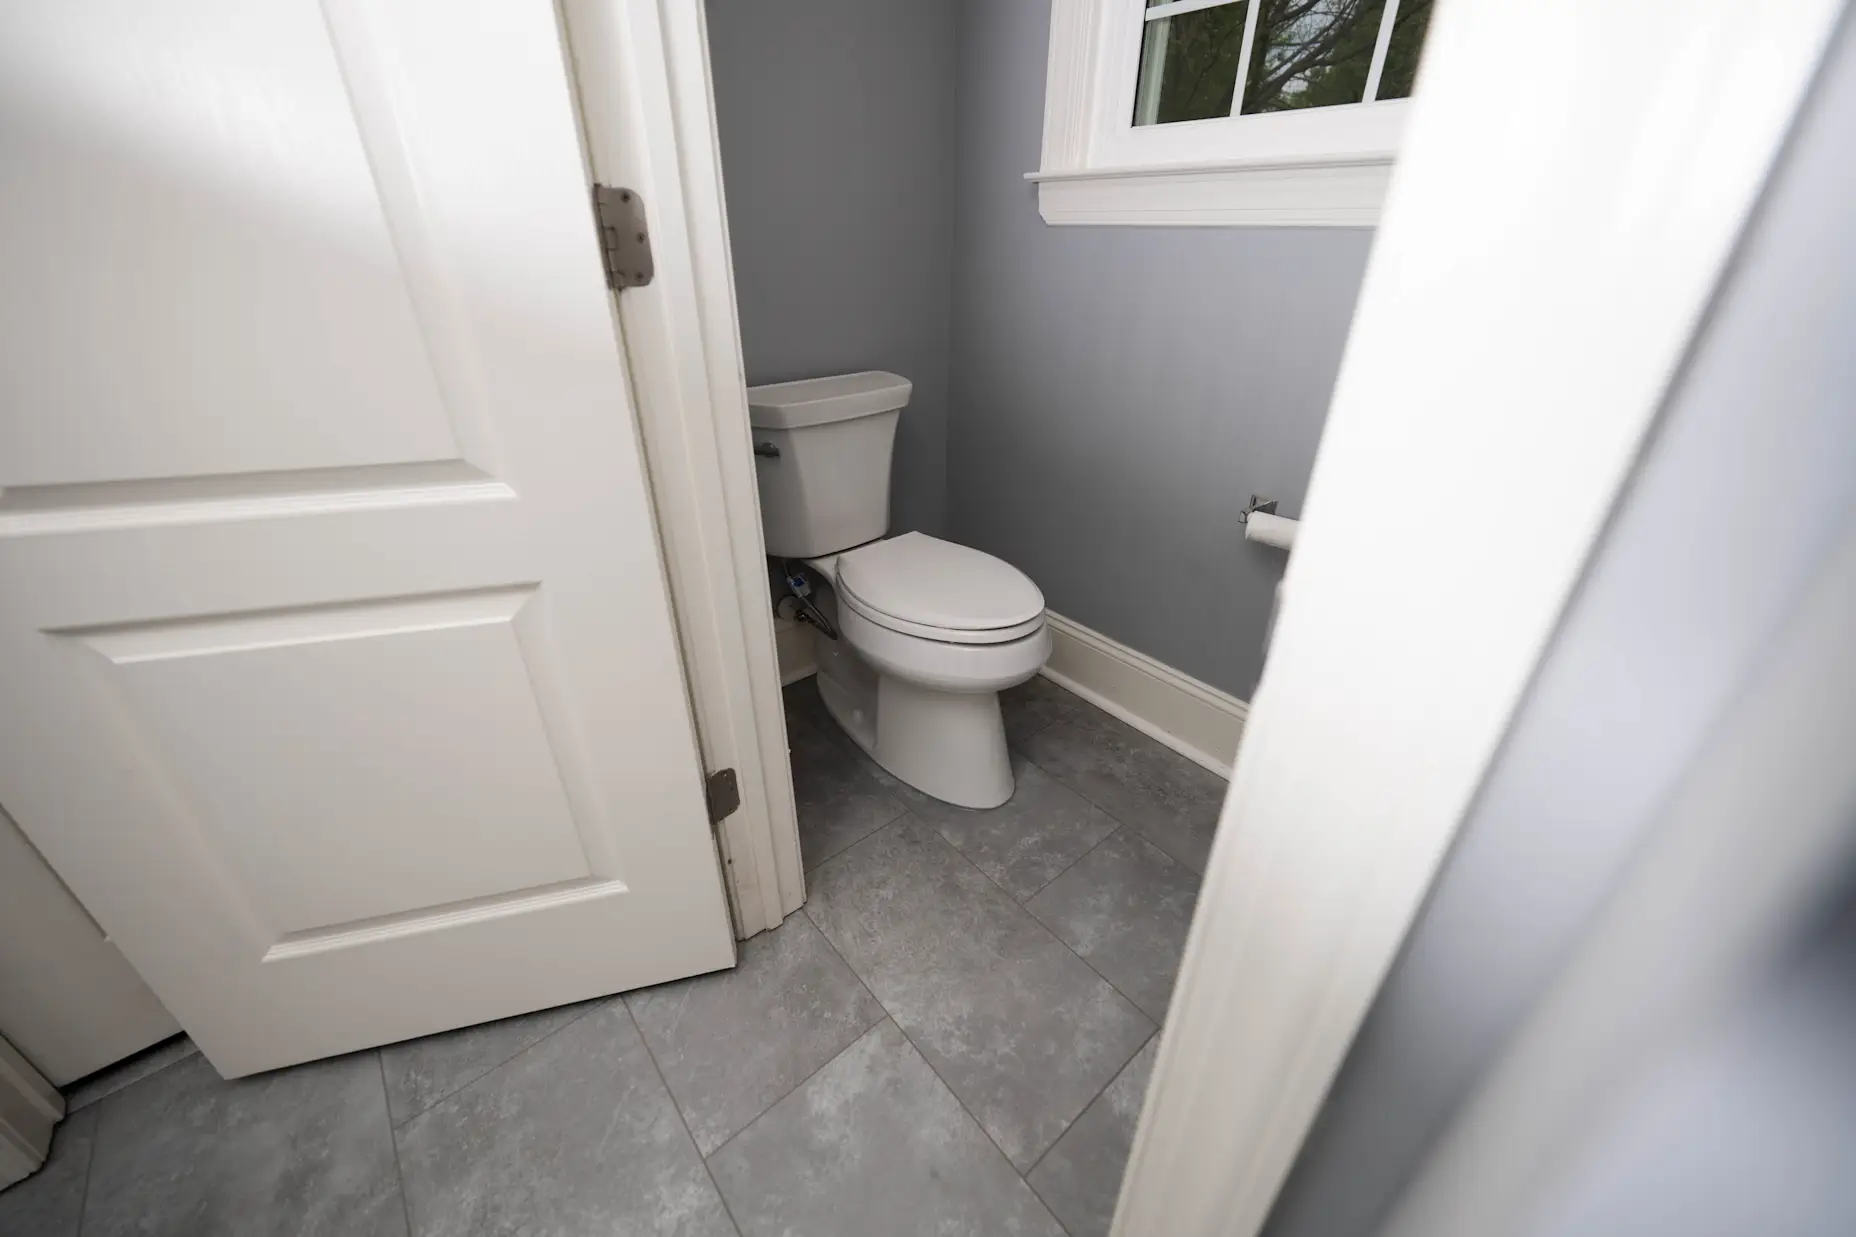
column 923, row 580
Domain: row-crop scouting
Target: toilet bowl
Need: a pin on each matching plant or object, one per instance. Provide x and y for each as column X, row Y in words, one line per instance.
column 932, row 633
column 928, row 632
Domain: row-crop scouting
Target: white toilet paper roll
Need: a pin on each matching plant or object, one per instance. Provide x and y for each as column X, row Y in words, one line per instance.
column 1270, row 530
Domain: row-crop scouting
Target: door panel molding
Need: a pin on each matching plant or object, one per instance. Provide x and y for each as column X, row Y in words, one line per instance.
column 39, row 510
column 392, row 734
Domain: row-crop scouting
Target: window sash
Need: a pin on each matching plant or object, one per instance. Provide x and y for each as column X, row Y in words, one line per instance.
column 1152, row 70
column 1346, row 132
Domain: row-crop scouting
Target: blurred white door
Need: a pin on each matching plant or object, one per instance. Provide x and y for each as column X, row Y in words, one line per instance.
column 339, row 672
column 69, row 1001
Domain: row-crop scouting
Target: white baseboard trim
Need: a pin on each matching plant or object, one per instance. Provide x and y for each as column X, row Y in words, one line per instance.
column 1194, row 719
column 793, row 642
column 29, row 1108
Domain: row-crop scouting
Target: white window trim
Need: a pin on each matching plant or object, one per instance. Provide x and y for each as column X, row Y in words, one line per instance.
column 1325, row 167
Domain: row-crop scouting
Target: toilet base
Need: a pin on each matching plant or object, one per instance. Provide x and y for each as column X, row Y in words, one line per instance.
column 947, row 744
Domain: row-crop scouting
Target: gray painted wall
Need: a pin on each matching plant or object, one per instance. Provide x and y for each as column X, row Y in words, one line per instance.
column 837, row 127
column 1676, row 610
column 1092, row 404
column 1118, row 393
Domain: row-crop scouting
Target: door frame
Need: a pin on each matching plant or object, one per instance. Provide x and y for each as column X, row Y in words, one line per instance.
column 29, row 1108
column 641, row 69
column 1458, row 495
column 1745, row 856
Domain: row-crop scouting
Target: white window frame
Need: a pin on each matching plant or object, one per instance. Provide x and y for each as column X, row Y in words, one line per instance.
column 1324, row 167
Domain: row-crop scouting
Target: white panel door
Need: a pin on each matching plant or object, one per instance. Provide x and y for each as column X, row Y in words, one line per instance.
column 337, row 673
column 69, row 1001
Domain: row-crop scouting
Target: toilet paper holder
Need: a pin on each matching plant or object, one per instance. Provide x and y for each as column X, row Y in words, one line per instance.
column 1265, row 505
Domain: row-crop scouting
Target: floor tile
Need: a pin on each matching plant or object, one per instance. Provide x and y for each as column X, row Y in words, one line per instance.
column 731, row 1043
column 1035, row 704
column 576, row 1135
column 1125, row 908
column 1081, row 1177
column 1169, row 800
column 87, row 1091
column 304, row 1151
column 50, row 1203
column 420, row 1072
column 1026, row 841
column 804, row 704
column 874, row 1143
column 840, row 803
column 1020, row 1028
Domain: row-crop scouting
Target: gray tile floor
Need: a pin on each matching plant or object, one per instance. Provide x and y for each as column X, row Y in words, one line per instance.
column 954, row 1036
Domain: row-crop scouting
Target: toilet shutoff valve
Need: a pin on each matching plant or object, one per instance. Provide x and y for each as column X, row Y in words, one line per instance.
column 801, row 589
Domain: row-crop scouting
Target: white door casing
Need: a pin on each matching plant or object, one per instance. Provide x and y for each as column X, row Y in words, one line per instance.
column 341, row 677
column 29, row 1108
column 1571, row 187
column 648, row 111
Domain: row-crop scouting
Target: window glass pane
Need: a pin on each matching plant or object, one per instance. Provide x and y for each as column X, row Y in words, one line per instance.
column 1189, row 65
column 1408, row 27
column 1311, row 53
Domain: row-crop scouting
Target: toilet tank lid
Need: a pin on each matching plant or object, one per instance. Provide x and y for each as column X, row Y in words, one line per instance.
column 817, row 401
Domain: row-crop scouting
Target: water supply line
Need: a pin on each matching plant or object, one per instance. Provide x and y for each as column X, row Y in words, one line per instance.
column 799, row 591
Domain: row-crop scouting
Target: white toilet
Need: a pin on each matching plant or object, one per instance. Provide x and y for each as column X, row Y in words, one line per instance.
column 930, row 632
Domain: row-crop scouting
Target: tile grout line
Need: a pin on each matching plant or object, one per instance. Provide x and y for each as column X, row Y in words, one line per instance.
column 1078, row 791
column 162, row 1069
column 856, row 975
column 1099, row 843
column 845, row 744
column 681, row 1119
column 1132, row 1004
column 393, row 1140
column 796, row 1087
column 1132, row 828
column 1103, row 1090
column 593, row 1004
column 1066, row 945
column 866, row 837
column 926, row 1059
column 888, row 824
column 842, row 743
column 90, row 1164
column 845, row 963
column 1135, row 837
column 1053, row 932
column 1120, row 825
column 809, row 1077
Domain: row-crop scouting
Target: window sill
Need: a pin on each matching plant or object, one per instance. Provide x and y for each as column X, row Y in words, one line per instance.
column 1345, row 193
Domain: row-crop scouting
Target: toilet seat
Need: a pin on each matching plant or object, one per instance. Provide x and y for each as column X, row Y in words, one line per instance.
column 945, row 635
column 937, row 590
column 963, row 667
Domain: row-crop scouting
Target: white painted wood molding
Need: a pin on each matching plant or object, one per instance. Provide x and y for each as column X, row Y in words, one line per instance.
column 29, row 1108
column 67, row 995
column 1399, row 660
column 794, row 642
column 1755, row 839
column 1194, row 719
column 1323, row 167
column 1336, row 194
column 648, row 111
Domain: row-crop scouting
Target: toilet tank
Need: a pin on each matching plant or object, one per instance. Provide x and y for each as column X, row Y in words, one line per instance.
column 821, row 453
